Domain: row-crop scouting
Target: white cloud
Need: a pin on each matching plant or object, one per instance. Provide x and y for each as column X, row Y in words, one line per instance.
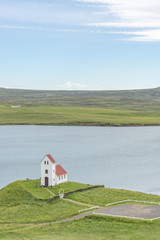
column 85, row 16
column 43, row 12
column 130, row 14
column 21, row 27
column 42, row 28
column 145, row 35
column 75, row 86
column 136, row 24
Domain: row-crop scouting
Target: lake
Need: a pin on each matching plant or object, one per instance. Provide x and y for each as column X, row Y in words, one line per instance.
column 118, row 157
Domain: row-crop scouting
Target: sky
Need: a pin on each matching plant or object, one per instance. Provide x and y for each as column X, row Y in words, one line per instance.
column 79, row 44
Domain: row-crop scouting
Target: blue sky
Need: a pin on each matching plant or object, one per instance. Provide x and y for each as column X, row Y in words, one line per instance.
column 79, row 44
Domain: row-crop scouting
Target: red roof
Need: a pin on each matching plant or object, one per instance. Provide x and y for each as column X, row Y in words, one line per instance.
column 50, row 158
column 60, row 171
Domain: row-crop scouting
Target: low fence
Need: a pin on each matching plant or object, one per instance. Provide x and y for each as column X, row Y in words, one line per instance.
column 84, row 210
column 75, row 191
column 132, row 200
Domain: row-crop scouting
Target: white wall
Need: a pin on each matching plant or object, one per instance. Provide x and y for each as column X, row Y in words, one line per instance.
column 51, row 172
column 61, row 180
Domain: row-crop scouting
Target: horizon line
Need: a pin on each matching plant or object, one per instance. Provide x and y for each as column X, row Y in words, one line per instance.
column 78, row 90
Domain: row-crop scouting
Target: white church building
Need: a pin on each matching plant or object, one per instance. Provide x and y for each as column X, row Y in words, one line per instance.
column 52, row 174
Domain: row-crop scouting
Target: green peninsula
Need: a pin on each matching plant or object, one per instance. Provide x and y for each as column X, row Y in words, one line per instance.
column 25, row 213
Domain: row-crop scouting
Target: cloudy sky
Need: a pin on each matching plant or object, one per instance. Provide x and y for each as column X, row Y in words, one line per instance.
column 79, row 44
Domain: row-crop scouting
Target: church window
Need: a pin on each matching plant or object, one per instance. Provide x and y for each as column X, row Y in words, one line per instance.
column 46, row 171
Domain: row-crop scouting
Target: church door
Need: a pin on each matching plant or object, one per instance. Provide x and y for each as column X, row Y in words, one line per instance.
column 46, row 181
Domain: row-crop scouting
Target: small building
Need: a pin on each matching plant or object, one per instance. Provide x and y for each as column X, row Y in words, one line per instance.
column 52, row 174
column 16, row 106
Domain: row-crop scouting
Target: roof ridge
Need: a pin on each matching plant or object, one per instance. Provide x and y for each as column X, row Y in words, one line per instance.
column 51, row 158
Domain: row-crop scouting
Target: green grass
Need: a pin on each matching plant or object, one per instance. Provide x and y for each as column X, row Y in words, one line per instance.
column 14, row 194
column 94, row 228
column 50, row 115
column 134, row 107
column 39, row 212
column 23, row 202
column 42, row 193
column 103, row 196
column 68, row 187
column 37, row 192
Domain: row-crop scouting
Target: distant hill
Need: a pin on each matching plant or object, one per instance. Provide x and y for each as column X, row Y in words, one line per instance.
column 89, row 108
column 76, row 98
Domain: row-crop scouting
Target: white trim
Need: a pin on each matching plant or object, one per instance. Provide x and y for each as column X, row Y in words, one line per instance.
column 87, row 209
column 131, row 200
column 112, row 215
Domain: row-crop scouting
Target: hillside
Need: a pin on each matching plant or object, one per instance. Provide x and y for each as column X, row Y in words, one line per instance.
column 27, row 191
column 28, row 194
column 76, row 98
column 89, row 108
column 25, row 214
column 23, row 202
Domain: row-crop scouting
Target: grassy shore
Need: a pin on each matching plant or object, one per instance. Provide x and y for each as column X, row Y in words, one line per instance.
column 77, row 116
column 25, row 214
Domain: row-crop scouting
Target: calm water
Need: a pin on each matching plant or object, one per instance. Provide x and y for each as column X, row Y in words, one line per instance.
column 127, row 157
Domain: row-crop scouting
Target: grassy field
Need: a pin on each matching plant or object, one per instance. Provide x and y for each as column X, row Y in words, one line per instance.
column 100, row 108
column 103, row 196
column 77, row 116
column 22, row 202
column 68, row 187
column 92, row 227
column 42, row 193
column 25, row 214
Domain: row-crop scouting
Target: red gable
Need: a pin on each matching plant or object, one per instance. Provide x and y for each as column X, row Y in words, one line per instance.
column 50, row 158
column 60, row 171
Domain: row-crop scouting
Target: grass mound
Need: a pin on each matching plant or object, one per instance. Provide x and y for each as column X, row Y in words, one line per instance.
column 14, row 194
column 24, row 201
column 35, row 189
column 25, row 191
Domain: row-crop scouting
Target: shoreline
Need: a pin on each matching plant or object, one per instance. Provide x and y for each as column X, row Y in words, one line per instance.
column 82, row 125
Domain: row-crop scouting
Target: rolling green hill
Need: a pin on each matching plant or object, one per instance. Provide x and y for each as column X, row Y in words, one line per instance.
column 91, row 108
column 25, row 214
column 23, row 202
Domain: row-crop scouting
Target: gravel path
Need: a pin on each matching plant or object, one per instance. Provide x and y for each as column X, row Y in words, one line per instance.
column 79, row 203
column 50, row 192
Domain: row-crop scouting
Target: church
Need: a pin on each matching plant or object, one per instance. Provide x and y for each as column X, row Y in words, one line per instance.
column 52, row 174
